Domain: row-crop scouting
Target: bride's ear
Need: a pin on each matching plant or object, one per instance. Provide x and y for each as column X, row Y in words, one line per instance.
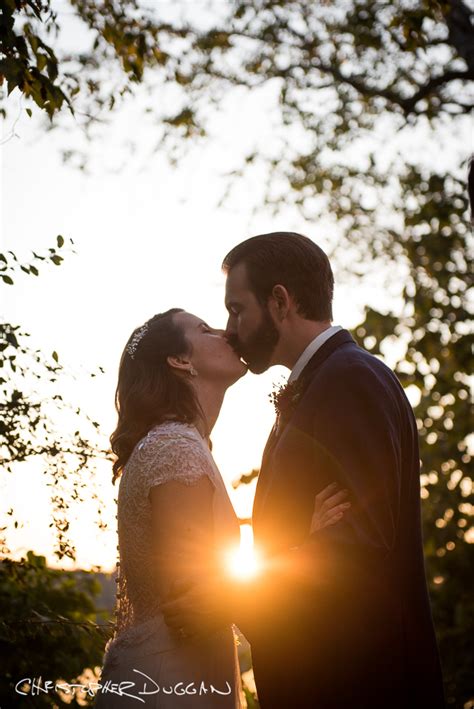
column 180, row 363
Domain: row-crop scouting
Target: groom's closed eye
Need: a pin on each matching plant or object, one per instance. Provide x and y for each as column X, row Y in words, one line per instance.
column 233, row 308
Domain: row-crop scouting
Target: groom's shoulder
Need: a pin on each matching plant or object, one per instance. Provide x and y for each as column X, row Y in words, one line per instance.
column 351, row 354
column 351, row 363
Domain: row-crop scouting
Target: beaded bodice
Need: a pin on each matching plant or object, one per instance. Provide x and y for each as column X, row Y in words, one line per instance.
column 170, row 451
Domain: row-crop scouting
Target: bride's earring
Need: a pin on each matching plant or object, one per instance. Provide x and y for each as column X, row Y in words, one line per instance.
column 193, row 372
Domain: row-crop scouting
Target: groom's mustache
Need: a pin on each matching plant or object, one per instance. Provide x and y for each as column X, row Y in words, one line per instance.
column 234, row 343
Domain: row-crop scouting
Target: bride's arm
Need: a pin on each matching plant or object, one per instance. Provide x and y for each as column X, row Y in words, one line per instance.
column 217, row 600
column 182, row 529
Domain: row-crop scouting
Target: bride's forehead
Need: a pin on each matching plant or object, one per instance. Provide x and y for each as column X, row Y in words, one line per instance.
column 188, row 320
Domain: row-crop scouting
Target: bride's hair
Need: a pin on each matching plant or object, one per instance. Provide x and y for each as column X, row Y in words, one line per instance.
column 148, row 391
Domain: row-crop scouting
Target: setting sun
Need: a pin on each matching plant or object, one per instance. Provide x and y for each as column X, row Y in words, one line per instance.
column 243, row 562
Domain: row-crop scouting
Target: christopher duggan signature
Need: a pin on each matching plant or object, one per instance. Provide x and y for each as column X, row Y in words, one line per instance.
column 36, row 686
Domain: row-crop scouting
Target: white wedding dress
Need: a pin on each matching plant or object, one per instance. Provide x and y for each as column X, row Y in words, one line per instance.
column 146, row 664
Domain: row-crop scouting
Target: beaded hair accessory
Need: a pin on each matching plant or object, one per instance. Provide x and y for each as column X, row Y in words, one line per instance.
column 133, row 344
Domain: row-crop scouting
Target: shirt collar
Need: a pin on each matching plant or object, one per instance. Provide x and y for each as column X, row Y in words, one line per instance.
column 311, row 349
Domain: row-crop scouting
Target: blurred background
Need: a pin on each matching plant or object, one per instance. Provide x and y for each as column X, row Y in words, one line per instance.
column 140, row 142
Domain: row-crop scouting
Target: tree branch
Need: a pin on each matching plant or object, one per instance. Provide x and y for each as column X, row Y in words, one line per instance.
column 461, row 31
column 406, row 104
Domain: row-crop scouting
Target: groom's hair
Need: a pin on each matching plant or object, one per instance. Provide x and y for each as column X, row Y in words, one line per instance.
column 291, row 260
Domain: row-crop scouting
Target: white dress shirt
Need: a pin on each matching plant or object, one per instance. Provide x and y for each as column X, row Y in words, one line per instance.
column 311, row 349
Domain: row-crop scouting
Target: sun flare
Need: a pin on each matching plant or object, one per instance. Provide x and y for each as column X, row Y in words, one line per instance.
column 243, row 562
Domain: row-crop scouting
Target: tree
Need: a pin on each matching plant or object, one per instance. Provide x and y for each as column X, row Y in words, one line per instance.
column 31, row 409
column 49, row 622
column 354, row 82
column 434, row 324
column 49, row 617
column 126, row 39
column 338, row 66
column 50, row 632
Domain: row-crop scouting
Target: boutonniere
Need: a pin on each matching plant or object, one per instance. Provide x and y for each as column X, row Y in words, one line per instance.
column 285, row 397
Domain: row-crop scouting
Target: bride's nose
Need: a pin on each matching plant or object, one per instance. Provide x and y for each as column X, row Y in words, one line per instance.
column 215, row 331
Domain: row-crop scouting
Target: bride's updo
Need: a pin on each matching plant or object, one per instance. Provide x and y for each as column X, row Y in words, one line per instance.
column 148, row 390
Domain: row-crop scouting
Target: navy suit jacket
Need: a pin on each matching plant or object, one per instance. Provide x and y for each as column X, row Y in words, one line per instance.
column 359, row 633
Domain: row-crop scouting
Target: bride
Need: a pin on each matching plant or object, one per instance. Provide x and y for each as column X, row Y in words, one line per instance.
column 175, row 519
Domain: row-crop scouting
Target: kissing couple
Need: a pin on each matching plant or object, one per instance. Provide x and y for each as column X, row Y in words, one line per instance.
column 339, row 615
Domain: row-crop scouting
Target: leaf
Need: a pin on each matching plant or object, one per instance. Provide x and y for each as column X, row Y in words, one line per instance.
column 6, row 279
column 60, row 240
column 55, row 356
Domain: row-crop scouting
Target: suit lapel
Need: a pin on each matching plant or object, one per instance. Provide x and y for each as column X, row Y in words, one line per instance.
column 340, row 338
column 269, row 444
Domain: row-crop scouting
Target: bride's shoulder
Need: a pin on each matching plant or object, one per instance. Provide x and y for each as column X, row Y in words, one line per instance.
column 171, row 450
column 166, row 436
column 170, row 429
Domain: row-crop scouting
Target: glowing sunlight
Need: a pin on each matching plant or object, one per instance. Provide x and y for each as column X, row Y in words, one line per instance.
column 243, row 563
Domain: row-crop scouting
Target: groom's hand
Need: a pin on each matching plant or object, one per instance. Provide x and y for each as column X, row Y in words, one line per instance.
column 196, row 607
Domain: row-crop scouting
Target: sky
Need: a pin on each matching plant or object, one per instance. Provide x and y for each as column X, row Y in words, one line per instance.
column 147, row 237
column 144, row 240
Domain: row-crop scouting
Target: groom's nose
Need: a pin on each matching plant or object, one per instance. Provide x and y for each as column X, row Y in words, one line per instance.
column 230, row 329
column 231, row 338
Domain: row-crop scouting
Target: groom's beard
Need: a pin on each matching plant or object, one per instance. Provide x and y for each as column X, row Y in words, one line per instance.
column 258, row 349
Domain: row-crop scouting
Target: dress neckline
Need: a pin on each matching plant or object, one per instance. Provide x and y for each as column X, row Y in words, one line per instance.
column 185, row 424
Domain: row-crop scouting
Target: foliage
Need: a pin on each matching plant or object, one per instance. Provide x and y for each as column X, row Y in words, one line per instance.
column 337, row 67
column 9, row 262
column 125, row 40
column 355, row 82
column 27, row 62
column 35, row 420
column 246, row 478
column 48, row 626
column 435, row 328
column 50, row 629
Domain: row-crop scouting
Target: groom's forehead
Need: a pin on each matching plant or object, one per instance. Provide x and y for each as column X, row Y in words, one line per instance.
column 238, row 290
column 237, row 280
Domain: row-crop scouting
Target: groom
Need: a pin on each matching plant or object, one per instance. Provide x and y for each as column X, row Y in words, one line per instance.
column 340, row 619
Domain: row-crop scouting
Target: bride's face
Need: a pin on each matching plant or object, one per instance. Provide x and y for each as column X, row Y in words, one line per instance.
column 210, row 353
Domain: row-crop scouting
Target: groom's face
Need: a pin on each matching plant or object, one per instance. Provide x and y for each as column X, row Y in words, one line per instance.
column 250, row 327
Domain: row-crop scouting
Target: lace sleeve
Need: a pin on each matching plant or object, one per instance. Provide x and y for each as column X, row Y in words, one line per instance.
column 166, row 458
column 174, row 452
